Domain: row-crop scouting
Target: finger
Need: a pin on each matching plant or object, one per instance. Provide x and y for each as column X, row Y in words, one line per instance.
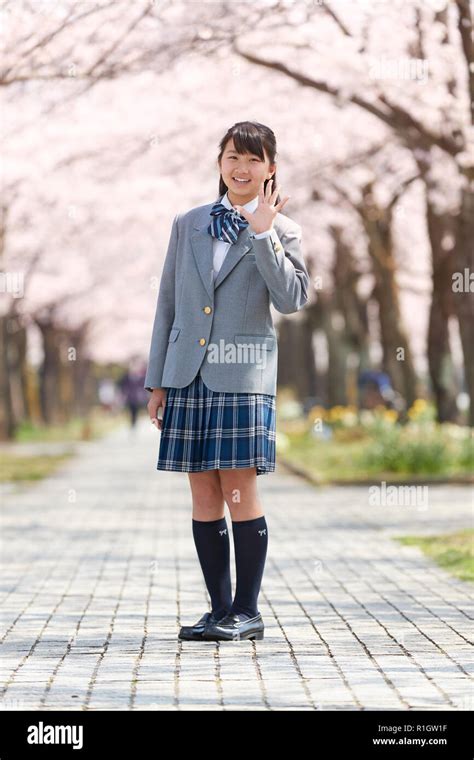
column 268, row 190
column 261, row 195
column 274, row 195
column 280, row 205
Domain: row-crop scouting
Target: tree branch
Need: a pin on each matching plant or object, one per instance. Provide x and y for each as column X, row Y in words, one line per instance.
column 411, row 131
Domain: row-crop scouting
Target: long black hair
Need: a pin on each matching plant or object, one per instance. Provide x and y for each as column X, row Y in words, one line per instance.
column 250, row 137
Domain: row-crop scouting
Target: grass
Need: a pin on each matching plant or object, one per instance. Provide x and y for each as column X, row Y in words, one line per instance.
column 325, row 460
column 350, row 456
column 22, row 468
column 98, row 423
column 453, row 552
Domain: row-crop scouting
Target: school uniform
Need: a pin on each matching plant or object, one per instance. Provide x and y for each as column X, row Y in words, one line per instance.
column 214, row 346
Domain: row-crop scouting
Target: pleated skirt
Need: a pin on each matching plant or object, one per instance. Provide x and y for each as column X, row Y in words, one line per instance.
column 208, row 430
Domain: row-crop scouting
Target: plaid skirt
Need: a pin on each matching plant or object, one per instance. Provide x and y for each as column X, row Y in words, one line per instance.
column 210, row 430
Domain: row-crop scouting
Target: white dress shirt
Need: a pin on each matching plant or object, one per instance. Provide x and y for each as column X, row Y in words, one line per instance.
column 220, row 247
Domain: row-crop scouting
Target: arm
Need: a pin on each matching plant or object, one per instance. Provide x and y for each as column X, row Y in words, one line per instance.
column 164, row 314
column 281, row 264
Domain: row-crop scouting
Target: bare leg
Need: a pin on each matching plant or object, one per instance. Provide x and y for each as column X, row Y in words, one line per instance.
column 208, row 500
column 239, row 489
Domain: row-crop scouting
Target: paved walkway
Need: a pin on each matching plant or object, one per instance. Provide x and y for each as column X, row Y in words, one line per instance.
column 100, row 570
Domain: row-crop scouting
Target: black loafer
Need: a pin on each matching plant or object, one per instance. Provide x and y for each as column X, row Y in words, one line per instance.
column 195, row 632
column 235, row 628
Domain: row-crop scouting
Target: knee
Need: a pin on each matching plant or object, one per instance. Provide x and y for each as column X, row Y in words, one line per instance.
column 238, row 487
column 207, row 496
column 232, row 496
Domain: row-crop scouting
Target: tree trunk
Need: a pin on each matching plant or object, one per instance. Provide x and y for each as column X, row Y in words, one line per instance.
column 464, row 300
column 295, row 356
column 17, row 369
column 349, row 302
column 56, row 385
column 7, row 426
column 397, row 357
column 333, row 325
column 441, row 227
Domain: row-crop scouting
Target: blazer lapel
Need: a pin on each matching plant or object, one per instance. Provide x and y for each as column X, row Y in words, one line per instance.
column 202, row 245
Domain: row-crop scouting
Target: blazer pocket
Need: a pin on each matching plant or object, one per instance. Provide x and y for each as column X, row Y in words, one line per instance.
column 174, row 332
column 249, row 257
column 265, row 341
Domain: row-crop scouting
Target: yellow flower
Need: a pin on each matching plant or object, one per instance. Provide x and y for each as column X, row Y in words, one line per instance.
column 420, row 404
column 316, row 413
column 417, row 408
column 336, row 412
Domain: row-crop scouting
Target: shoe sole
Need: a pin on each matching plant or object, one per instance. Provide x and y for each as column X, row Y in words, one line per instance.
column 258, row 636
column 254, row 636
column 191, row 637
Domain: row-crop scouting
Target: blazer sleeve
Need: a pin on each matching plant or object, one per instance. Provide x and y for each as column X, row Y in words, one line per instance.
column 164, row 314
column 281, row 264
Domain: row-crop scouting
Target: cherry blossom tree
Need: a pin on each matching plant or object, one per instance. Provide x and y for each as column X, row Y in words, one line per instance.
column 113, row 113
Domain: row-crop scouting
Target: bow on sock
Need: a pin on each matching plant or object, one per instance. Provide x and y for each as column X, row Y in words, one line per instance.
column 226, row 223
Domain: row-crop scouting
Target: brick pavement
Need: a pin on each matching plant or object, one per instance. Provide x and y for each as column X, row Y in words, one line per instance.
column 99, row 571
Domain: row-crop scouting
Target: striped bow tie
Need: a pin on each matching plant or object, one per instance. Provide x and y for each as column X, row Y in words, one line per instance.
column 226, row 223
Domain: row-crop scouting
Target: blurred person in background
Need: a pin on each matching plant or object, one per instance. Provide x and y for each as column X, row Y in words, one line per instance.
column 375, row 389
column 132, row 390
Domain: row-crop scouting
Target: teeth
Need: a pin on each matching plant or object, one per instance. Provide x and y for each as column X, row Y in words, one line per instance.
column 241, row 180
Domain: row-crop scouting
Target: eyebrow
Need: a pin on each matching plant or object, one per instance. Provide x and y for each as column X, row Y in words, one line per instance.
column 241, row 154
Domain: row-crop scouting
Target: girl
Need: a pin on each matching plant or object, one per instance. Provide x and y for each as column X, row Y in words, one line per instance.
column 213, row 367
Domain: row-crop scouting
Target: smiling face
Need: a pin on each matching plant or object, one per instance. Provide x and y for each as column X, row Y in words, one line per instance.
column 243, row 173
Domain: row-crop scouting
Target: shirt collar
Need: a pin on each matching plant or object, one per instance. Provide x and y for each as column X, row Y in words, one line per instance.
column 250, row 206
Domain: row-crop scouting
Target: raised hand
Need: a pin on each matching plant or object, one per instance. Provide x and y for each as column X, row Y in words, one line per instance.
column 262, row 218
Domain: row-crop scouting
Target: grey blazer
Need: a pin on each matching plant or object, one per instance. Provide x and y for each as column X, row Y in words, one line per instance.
column 225, row 328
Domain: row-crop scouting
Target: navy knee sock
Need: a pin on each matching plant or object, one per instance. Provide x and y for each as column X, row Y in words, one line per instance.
column 213, row 548
column 250, row 543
